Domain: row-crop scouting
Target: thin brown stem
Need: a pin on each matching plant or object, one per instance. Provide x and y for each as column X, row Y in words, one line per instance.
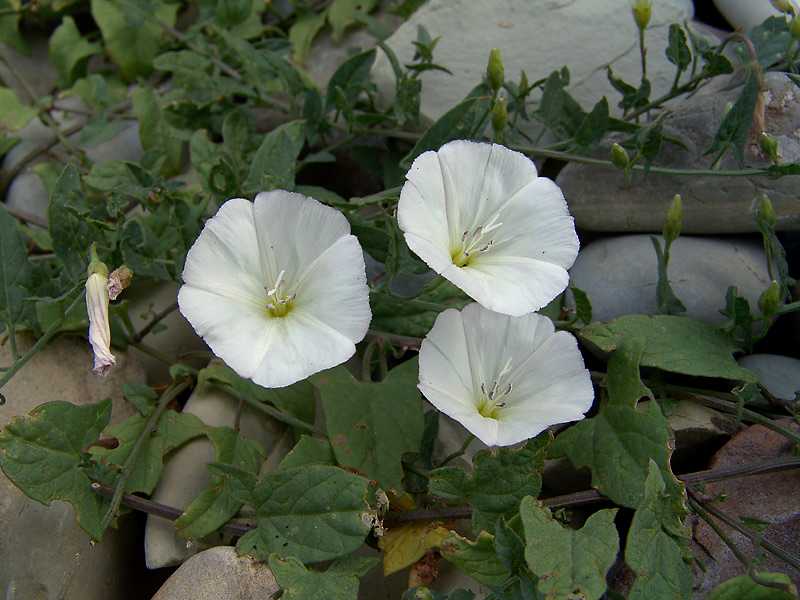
column 153, row 322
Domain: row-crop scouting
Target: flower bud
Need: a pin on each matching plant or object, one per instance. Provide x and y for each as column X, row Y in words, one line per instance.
column 494, row 71
column 641, row 10
column 768, row 145
column 499, row 116
column 619, row 157
column 672, row 223
column 766, row 212
column 784, row 6
column 794, row 27
column 119, row 279
column 97, row 309
column 770, row 299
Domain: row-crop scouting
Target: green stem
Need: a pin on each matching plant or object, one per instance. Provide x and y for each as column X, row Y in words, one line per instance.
column 786, row 308
column 272, row 411
column 424, row 304
column 432, row 286
column 643, row 53
column 460, row 452
column 42, row 340
column 12, row 341
column 127, row 468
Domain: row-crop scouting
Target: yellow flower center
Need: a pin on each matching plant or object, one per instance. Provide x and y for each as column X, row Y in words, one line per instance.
column 280, row 304
column 472, row 244
column 490, row 402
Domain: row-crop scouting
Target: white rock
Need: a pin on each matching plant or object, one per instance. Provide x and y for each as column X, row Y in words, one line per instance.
column 779, row 374
column 185, row 474
column 620, row 275
column 745, row 14
column 535, row 35
column 219, row 574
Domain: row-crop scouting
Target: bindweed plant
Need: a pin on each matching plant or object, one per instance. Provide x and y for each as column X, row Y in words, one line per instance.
column 275, row 282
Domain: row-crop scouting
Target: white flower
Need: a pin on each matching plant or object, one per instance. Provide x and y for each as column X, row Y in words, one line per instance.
column 505, row 379
column 277, row 288
column 97, row 309
column 479, row 215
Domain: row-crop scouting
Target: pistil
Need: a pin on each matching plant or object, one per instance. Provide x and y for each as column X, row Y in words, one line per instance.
column 279, row 305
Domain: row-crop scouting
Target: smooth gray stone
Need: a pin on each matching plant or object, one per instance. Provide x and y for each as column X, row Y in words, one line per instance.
column 535, row 35
column 745, row 14
column 620, row 275
column 601, row 200
column 61, row 370
column 40, row 548
column 219, row 574
column 779, row 374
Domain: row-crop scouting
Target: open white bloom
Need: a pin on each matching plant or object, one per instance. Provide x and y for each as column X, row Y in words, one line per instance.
column 97, row 309
column 480, row 215
column 277, row 287
column 505, row 379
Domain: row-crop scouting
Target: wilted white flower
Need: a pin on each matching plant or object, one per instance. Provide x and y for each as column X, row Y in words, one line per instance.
column 480, row 215
column 119, row 279
column 97, row 309
column 277, row 287
column 505, row 379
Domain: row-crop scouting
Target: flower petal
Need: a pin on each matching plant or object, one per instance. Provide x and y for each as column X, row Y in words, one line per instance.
column 293, row 230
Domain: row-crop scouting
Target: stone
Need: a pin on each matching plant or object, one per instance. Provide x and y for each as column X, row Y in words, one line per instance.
column 779, row 374
column 537, row 36
column 601, row 200
column 219, row 574
column 770, row 497
column 745, row 14
column 185, row 474
column 61, row 370
column 40, row 547
column 620, row 275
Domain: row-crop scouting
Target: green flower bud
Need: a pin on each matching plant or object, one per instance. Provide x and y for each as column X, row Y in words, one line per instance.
column 423, row 593
column 495, row 73
column 768, row 145
column 619, row 157
column 770, row 300
column 95, row 265
column 766, row 212
column 499, row 116
column 794, row 27
column 672, row 223
column 784, row 6
column 641, row 10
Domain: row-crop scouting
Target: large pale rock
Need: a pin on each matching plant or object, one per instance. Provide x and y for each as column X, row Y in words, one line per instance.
column 185, row 474
column 620, row 275
column 40, row 548
column 535, row 35
column 61, row 370
column 779, row 374
column 601, row 200
column 219, row 574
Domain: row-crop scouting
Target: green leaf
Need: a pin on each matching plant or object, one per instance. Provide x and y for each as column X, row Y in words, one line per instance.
column 15, row 271
column 673, row 343
column 734, row 129
column 303, row 31
column 296, row 400
column 313, row 513
column 371, row 425
column 648, row 141
column 344, row 13
column 745, row 588
column 393, row 314
column 214, row 507
column 716, row 64
column 349, row 79
column 678, row 52
column 171, row 431
column 549, row 111
column 338, row 582
column 619, row 442
column 42, row 454
column 737, row 309
column 70, row 52
column 308, row 451
column 9, row 26
column 232, row 12
column 14, row 114
column 583, row 307
column 666, row 300
column 139, row 246
column 70, row 230
column 274, row 162
column 133, row 48
column 155, row 134
column 501, row 478
column 592, row 128
column 658, row 545
column 770, row 40
column 569, row 563
column 477, row 559
column 463, row 121
column 98, row 130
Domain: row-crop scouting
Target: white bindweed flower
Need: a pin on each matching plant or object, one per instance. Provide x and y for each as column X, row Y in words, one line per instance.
column 505, row 379
column 277, row 287
column 97, row 309
column 480, row 215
